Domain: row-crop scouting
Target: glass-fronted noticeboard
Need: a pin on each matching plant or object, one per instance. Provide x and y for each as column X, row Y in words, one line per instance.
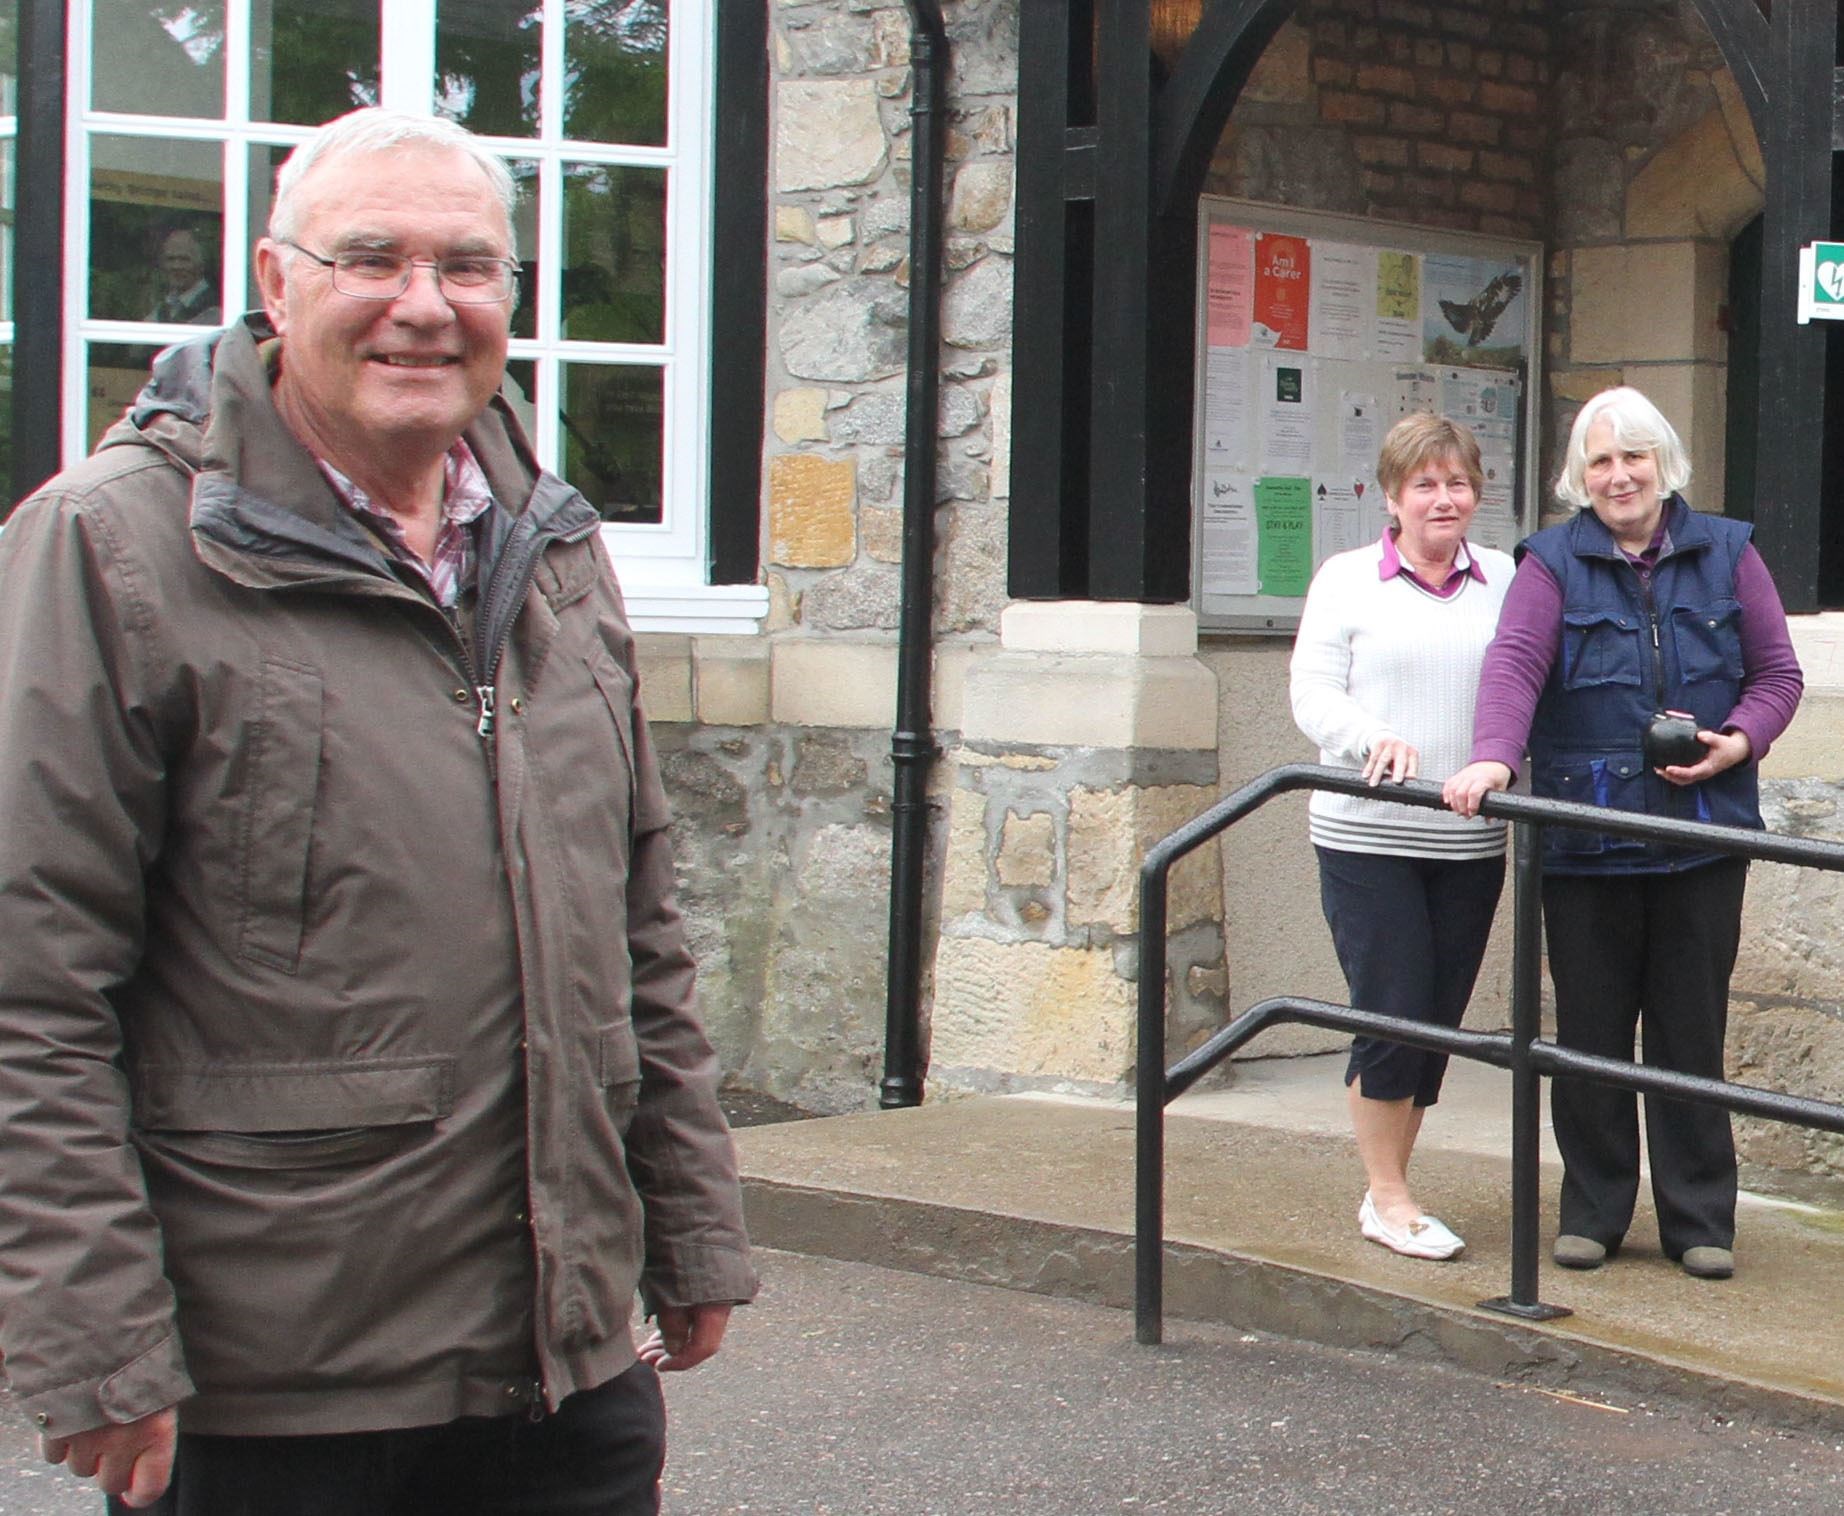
column 1315, row 334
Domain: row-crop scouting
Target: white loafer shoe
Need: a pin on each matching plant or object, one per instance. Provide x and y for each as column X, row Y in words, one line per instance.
column 1424, row 1237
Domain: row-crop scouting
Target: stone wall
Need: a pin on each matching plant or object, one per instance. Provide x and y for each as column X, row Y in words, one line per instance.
column 777, row 747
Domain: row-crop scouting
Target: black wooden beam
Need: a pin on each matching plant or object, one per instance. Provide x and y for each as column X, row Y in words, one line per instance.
column 1132, row 553
column 1796, row 144
column 739, row 316
column 1046, row 535
column 38, row 249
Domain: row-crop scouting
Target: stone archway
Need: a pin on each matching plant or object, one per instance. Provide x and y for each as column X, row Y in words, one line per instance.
column 1639, row 274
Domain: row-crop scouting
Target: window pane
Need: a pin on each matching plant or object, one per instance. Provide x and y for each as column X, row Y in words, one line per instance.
column 117, row 372
column 159, row 59
column 156, row 219
column 8, row 190
column 9, row 60
column 615, row 72
column 525, row 235
column 264, row 163
column 613, row 438
column 521, row 392
column 6, row 429
column 486, row 65
column 312, row 60
column 614, row 276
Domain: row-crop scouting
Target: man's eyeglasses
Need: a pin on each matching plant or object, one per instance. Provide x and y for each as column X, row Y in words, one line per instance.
column 464, row 279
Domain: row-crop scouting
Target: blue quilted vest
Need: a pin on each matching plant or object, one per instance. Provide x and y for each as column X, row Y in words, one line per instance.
column 1625, row 654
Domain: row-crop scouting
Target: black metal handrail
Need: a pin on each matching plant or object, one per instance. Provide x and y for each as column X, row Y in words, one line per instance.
column 1521, row 1050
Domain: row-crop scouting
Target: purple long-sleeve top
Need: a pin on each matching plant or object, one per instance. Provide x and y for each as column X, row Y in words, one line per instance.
column 1529, row 641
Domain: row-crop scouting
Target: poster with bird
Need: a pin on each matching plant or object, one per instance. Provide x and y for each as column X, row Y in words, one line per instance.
column 1472, row 311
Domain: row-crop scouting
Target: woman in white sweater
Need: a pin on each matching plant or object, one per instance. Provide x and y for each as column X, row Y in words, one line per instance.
column 1385, row 670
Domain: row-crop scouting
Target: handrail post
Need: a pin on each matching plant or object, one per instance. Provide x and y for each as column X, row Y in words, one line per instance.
column 1149, row 1113
column 1526, row 1083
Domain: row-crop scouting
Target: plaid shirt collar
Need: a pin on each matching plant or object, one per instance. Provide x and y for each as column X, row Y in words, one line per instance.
column 465, row 498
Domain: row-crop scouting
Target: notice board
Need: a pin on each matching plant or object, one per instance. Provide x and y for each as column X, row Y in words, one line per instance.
column 1315, row 334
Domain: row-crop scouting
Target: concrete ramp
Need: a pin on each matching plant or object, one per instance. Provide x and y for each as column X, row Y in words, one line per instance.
column 1262, row 1189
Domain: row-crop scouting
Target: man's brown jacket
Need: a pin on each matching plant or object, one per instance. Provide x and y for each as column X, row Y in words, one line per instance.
column 349, row 1074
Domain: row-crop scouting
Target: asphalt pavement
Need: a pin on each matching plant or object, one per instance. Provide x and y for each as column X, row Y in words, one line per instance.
column 850, row 1390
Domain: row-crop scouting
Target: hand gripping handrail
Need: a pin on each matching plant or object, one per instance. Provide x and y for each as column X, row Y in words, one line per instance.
column 1521, row 1050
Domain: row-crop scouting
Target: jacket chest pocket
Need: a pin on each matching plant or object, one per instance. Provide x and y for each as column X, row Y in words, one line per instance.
column 1708, row 641
column 1600, row 647
column 276, row 828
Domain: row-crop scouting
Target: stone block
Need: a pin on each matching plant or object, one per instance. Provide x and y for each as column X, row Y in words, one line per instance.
column 794, row 223
column 833, row 682
column 1499, row 198
column 810, row 521
column 964, row 870
column 952, row 660
column 1092, row 626
column 665, row 667
column 1386, row 79
column 1404, row 117
column 1813, row 746
column 1109, row 833
column 1450, row 89
column 880, row 532
column 730, row 677
column 1027, row 851
column 852, row 331
column 1512, row 166
column 1091, row 701
column 828, row 133
column 1030, row 1009
column 999, row 403
column 800, row 415
column 1282, row 75
column 1818, row 641
column 1694, row 399
column 1339, row 108
column 835, row 231
column 1694, row 186
column 1742, row 139
column 1390, row 151
column 1470, row 126
column 981, row 198
column 1637, row 304
column 1444, row 159
column 1580, row 385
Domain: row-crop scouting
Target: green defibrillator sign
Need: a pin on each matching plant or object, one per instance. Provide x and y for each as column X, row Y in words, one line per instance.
column 1821, row 282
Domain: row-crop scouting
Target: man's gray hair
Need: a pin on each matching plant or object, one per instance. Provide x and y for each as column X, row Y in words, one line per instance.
column 376, row 129
column 1636, row 423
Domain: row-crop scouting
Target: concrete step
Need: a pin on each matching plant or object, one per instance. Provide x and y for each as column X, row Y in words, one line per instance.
column 1262, row 1189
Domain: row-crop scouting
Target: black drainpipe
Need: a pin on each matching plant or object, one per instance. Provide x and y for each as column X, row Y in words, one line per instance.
column 912, row 745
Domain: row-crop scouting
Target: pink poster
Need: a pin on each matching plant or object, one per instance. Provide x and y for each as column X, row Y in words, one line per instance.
column 1230, row 286
column 1283, row 284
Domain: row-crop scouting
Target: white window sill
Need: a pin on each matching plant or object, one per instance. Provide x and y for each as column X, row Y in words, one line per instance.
column 706, row 610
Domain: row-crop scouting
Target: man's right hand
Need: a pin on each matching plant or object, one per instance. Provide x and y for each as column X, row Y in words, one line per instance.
column 132, row 1462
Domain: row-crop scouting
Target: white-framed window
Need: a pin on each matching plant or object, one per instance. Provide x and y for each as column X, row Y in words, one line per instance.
column 181, row 111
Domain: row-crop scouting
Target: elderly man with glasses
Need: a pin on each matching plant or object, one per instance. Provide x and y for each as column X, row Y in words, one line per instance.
column 349, row 1063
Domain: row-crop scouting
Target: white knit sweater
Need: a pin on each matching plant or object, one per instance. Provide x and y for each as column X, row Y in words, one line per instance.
column 1380, row 658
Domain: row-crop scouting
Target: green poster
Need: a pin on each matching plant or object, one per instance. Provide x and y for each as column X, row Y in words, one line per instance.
column 1284, row 535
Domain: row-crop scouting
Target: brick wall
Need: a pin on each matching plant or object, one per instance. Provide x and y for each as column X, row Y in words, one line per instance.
column 1432, row 113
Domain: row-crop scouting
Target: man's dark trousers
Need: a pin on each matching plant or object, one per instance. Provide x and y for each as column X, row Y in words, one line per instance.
column 599, row 1455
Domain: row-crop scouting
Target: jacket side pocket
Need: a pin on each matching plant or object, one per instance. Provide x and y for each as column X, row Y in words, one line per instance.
column 277, row 829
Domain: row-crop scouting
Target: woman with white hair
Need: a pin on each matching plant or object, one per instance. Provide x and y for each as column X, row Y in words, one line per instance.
column 1643, row 662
